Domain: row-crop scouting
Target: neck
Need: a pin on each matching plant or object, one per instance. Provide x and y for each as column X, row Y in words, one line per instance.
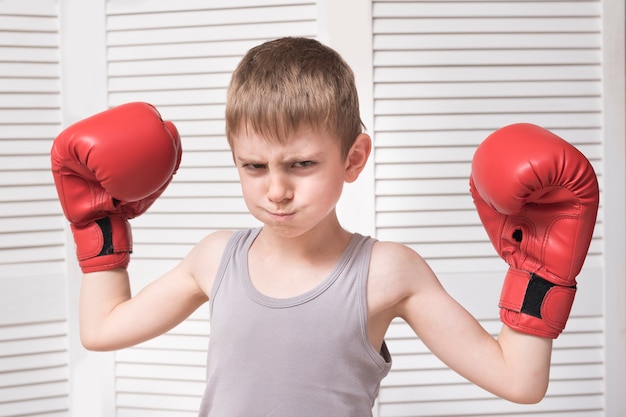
column 325, row 239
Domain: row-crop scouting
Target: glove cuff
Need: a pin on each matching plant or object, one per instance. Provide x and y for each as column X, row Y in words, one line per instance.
column 533, row 305
column 104, row 244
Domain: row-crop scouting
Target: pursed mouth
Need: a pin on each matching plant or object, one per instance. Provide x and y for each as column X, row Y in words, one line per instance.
column 280, row 214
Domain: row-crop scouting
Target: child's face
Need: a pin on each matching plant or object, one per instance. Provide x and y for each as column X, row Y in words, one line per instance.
column 294, row 186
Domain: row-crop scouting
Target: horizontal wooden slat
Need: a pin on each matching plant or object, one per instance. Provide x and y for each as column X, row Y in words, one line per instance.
column 33, row 392
column 429, row 219
column 34, row 361
column 471, row 232
column 34, row 268
column 198, row 343
column 199, row 205
column 26, row 147
column 203, row 17
column 25, row 162
column 157, row 371
column 211, row 65
column 199, row 188
column 26, row 116
column 501, row 24
column 31, row 69
column 118, row 7
column 403, row 377
column 135, row 412
column 496, row 9
column 21, row 8
column 33, row 254
column 29, row 85
column 421, row 187
column 31, row 330
column 34, row 132
column 32, row 239
column 583, row 120
column 461, row 264
column 464, row 137
column 193, row 220
column 494, row 57
column 146, row 240
column 488, row 105
column 162, row 356
column 208, row 33
column 509, row 41
column 32, row 186
column 25, row 100
column 173, row 97
column 31, row 54
column 22, row 288
column 21, row 211
column 397, row 74
column 158, row 401
column 35, row 345
column 489, row 90
column 50, row 407
column 32, row 38
column 163, row 387
column 171, row 82
column 418, row 203
column 447, row 226
column 220, row 162
column 34, row 376
column 32, row 20
column 451, row 158
column 194, row 114
column 458, row 265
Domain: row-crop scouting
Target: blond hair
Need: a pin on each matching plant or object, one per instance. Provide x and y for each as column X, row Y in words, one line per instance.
column 290, row 83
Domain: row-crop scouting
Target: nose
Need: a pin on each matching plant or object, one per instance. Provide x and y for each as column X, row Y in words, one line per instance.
column 279, row 187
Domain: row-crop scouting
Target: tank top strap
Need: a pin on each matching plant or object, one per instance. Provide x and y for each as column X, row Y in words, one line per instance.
column 238, row 244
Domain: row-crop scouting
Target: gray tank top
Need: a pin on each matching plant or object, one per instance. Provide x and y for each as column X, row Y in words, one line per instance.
column 303, row 356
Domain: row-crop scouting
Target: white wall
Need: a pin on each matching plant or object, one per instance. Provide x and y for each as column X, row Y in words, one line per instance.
column 434, row 80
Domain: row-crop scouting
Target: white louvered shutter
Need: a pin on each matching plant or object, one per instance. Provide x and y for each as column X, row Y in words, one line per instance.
column 33, row 328
column 179, row 56
column 446, row 74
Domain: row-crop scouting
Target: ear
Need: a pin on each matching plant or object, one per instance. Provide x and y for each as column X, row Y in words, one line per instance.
column 357, row 157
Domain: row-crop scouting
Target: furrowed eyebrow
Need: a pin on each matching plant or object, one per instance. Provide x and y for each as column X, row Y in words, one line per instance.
column 247, row 160
column 288, row 160
column 310, row 157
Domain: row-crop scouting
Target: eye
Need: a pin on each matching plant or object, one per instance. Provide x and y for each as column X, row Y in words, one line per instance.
column 253, row 167
column 304, row 164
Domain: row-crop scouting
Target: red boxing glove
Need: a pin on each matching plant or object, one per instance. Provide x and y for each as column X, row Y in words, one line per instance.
column 107, row 169
column 537, row 197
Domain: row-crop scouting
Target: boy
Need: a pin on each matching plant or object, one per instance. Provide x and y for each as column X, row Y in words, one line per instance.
column 300, row 307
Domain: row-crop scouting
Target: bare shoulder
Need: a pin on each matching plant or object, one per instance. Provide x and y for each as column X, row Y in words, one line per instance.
column 215, row 241
column 397, row 273
column 204, row 259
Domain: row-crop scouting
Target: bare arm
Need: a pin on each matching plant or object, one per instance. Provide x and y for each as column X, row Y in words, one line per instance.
column 110, row 319
column 514, row 366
